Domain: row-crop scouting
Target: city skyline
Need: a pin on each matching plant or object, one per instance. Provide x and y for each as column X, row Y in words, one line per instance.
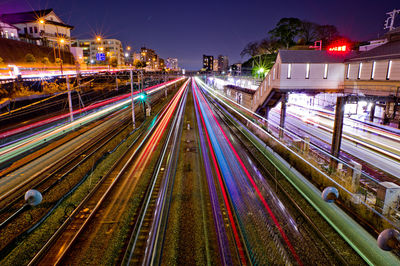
column 188, row 30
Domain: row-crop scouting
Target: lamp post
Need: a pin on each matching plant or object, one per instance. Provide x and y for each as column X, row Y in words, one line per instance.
column 61, row 41
column 43, row 22
column 260, row 72
column 133, row 103
column 71, row 116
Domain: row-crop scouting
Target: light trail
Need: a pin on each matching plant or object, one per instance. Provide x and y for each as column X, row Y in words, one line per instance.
column 360, row 240
column 152, row 89
column 19, row 147
column 380, row 148
column 290, row 246
column 224, row 193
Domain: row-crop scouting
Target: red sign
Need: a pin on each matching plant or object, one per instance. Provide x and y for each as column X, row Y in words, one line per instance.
column 338, row 48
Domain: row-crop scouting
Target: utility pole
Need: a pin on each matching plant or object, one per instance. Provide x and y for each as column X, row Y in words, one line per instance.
column 69, row 100
column 116, row 79
column 389, row 23
column 133, row 103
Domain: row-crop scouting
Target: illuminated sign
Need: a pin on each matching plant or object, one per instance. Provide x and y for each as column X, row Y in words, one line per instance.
column 100, row 57
column 338, row 48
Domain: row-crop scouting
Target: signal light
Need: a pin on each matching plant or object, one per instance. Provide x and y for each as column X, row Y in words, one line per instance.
column 142, row 96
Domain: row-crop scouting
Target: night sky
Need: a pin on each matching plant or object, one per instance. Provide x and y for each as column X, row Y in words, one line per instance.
column 188, row 29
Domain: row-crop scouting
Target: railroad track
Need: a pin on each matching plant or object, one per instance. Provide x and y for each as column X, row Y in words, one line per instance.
column 15, row 162
column 300, row 213
column 15, row 208
column 222, row 239
column 145, row 242
column 67, row 235
column 62, row 166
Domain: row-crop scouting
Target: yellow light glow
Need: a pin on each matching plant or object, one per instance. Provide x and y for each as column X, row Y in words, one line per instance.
column 41, row 21
column 98, row 38
column 62, row 40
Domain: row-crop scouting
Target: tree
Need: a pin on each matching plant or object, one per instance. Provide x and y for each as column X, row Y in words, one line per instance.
column 114, row 62
column 268, row 46
column 139, row 64
column 308, row 32
column 265, row 61
column 58, row 61
column 327, row 33
column 45, row 61
column 29, row 58
column 286, row 31
column 250, row 49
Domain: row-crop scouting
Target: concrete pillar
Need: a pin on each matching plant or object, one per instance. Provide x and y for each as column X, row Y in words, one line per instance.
column 387, row 196
column 306, row 146
column 372, row 112
column 355, row 180
column 266, row 116
column 385, row 116
column 337, row 130
column 283, row 115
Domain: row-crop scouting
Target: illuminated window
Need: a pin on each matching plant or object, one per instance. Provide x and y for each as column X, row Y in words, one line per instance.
column 373, row 70
column 389, row 70
column 348, row 72
column 359, row 70
column 307, row 71
column 273, row 76
column 269, row 80
column 289, row 71
column 326, row 71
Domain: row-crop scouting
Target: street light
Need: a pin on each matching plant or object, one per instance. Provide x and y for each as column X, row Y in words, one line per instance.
column 128, row 48
column 98, row 38
column 261, row 71
column 61, row 41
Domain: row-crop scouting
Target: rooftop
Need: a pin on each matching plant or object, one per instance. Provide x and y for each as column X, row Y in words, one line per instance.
column 237, row 88
column 312, row 56
column 31, row 16
column 390, row 50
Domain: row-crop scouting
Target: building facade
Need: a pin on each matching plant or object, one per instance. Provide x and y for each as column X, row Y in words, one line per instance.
column 208, row 63
column 42, row 27
column 101, row 52
column 151, row 59
column 172, row 64
column 8, row 31
column 215, row 65
column 223, row 63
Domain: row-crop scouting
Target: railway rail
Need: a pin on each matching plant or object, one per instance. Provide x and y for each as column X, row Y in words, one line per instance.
column 13, row 206
column 57, row 248
column 311, row 229
column 145, row 242
column 339, row 259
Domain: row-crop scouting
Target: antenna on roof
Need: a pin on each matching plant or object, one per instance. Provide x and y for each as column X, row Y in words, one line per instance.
column 389, row 23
